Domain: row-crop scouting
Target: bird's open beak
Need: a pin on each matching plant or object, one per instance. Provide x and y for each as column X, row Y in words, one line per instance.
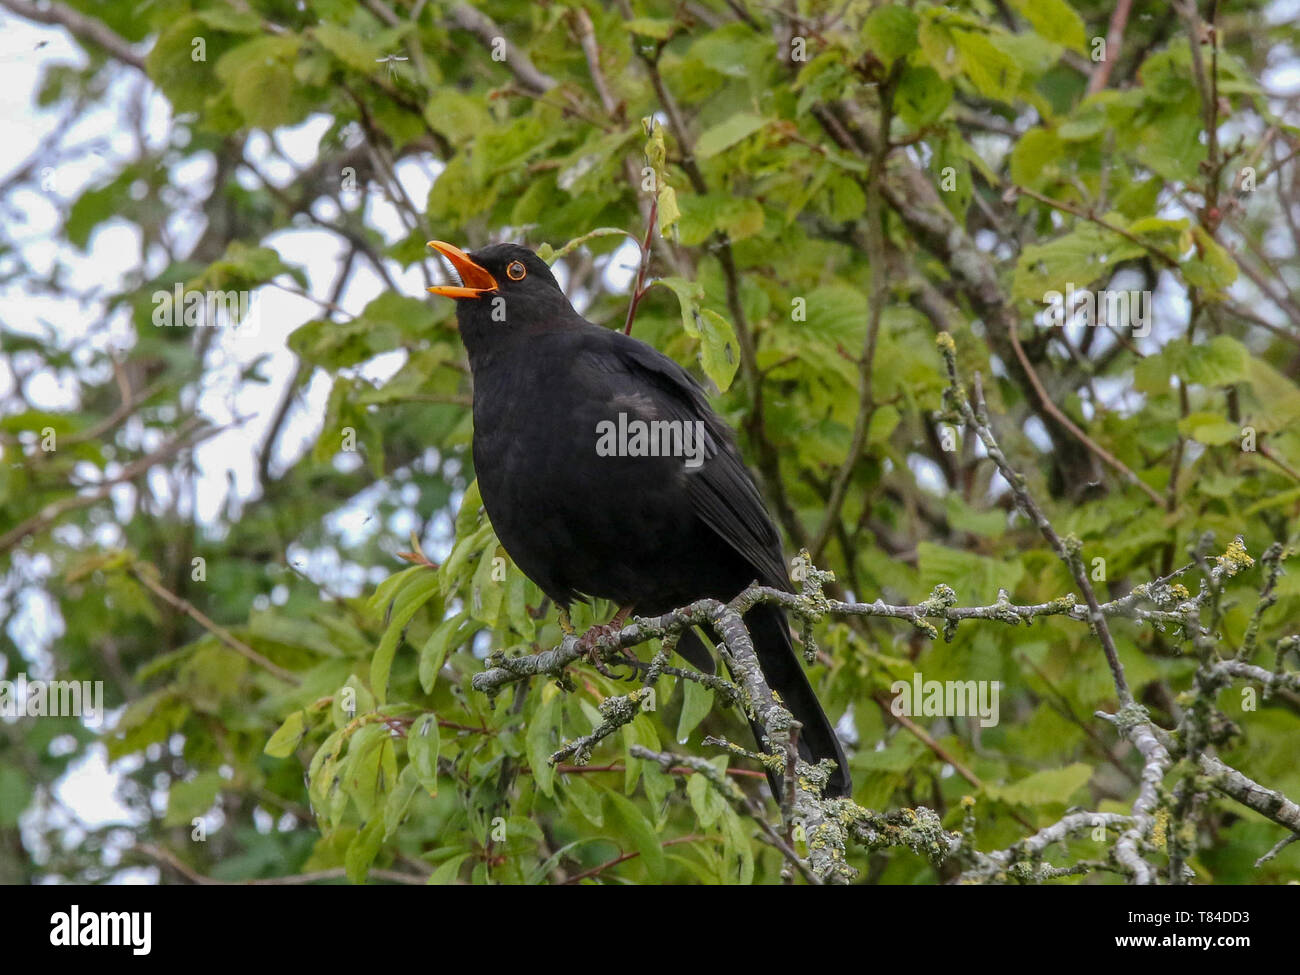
column 474, row 280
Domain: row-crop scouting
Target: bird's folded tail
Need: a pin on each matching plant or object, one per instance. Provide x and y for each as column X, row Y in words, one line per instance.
column 786, row 675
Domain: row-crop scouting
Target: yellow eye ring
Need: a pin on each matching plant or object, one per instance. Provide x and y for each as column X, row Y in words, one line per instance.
column 516, row 271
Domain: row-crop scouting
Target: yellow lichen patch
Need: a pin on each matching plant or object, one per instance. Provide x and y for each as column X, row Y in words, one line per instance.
column 1234, row 558
column 1159, row 827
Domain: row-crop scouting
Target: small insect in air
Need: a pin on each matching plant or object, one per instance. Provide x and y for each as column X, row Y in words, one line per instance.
column 391, row 60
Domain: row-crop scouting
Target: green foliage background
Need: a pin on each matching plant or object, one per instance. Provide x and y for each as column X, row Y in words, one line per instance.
column 771, row 175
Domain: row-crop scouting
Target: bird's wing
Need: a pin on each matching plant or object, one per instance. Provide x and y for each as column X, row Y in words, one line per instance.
column 721, row 491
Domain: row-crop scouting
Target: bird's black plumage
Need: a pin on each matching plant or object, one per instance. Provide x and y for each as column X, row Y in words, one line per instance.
column 648, row 532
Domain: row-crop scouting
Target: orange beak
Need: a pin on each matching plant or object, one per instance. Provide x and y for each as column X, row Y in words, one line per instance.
column 475, row 281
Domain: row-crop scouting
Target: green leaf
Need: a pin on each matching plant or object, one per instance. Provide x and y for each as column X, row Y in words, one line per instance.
column 448, row 871
column 669, row 213
column 587, row 800
column 689, row 295
column 738, row 851
column 175, row 66
column 726, row 134
column 322, row 772
column 1209, row 429
column 423, row 742
column 707, row 802
column 244, row 267
column 363, row 849
column 719, row 354
column 737, row 217
column 356, row 52
column 1088, row 121
column 456, row 114
column 697, row 702
column 407, row 316
column 1213, row 269
column 952, row 170
column 15, row 793
column 1220, row 362
column 973, row 577
column 659, row 29
column 399, row 800
column 368, row 771
column 288, row 736
column 418, row 590
column 1078, row 258
column 991, row 70
column 643, row 835
column 434, row 652
column 890, row 32
column 488, row 587
column 1048, row 787
column 259, row 76
column 1036, row 159
column 455, row 568
column 539, row 742
column 188, row 800
column 95, row 206
column 1054, row 20
column 922, row 96
column 351, row 699
column 231, row 21
column 884, row 421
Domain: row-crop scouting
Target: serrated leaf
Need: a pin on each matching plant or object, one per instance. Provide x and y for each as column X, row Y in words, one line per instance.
column 973, row 577
column 890, row 32
column 1208, row 428
column 1048, row 787
column 1054, row 20
column 1220, row 362
column 353, row 50
column 992, row 71
column 922, row 96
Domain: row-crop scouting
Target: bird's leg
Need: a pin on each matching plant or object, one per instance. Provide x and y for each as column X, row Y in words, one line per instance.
column 587, row 642
column 589, row 639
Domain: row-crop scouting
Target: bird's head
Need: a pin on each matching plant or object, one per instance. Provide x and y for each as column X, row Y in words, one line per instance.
column 497, row 271
column 506, row 293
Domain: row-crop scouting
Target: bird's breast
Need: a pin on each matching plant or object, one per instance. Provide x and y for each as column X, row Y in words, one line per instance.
column 583, row 492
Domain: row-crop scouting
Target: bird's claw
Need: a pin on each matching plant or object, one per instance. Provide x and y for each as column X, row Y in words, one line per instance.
column 589, row 642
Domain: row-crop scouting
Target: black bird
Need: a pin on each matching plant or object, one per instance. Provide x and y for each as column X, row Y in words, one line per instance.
column 552, row 392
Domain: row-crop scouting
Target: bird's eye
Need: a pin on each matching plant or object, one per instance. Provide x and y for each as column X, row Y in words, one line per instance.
column 516, row 271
